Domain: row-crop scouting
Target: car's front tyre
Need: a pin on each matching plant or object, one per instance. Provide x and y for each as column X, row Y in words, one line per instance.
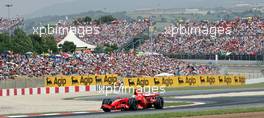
column 159, row 103
column 132, row 102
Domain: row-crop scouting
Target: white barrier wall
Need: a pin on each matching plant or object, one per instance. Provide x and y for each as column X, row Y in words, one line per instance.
column 45, row 90
column 254, row 81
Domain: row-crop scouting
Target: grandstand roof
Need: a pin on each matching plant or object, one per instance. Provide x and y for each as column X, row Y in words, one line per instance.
column 71, row 37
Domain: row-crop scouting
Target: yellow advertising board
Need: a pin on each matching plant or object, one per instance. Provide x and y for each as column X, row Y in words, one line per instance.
column 186, row 81
column 57, row 81
column 171, row 81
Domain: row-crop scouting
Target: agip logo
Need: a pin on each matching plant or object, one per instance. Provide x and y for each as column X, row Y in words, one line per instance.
column 228, row 80
column 137, row 82
column 191, row 80
column 143, row 82
column 56, row 81
column 131, row 82
column 167, row 81
column 86, row 80
column 110, row 80
column 210, row 80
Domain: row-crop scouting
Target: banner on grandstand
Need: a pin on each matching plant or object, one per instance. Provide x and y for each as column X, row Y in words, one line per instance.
column 185, row 81
column 57, row 81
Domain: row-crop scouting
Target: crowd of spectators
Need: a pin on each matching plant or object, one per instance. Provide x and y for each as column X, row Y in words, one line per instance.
column 117, row 32
column 6, row 24
column 246, row 37
column 80, row 63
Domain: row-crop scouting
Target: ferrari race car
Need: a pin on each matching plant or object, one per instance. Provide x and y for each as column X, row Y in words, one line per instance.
column 136, row 102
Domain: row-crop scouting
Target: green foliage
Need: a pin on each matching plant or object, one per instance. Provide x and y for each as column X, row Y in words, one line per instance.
column 99, row 49
column 5, row 43
column 38, row 43
column 50, row 43
column 97, row 21
column 107, row 48
column 20, row 42
column 110, row 48
column 43, row 44
column 87, row 19
column 83, row 20
column 106, row 19
column 68, row 46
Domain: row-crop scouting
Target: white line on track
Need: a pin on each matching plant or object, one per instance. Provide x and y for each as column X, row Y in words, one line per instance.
column 232, row 94
column 80, row 112
column 51, row 114
column 18, row 116
column 193, row 104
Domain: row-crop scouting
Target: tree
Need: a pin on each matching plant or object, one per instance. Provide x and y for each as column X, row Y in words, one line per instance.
column 99, row 49
column 43, row 44
column 110, row 48
column 5, row 42
column 97, row 21
column 68, row 46
column 140, row 18
column 87, row 19
column 21, row 43
column 106, row 19
column 37, row 43
column 50, row 43
column 83, row 20
column 106, row 48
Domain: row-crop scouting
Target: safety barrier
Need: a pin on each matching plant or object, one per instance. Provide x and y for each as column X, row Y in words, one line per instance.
column 171, row 81
column 186, row 81
column 58, row 81
column 45, row 90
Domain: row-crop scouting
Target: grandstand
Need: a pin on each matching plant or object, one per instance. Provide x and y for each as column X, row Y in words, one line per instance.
column 139, row 55
column 244, row 43
column 118, row 32
column 10, row 24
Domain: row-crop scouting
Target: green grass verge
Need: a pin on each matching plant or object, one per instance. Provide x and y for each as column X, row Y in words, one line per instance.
column 197, row 113
column 167, row 104
column 259, row 85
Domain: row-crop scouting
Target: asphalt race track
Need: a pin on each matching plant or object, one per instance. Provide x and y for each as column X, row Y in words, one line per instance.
column 211, row 103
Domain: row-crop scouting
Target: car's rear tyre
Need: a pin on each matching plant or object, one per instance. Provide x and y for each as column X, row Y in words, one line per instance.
column 132, row 102
column 107, row 110
column 159, row 103
column 108, row 102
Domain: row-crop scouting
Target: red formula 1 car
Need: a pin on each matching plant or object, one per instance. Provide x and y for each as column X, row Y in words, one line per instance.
column 138, row 101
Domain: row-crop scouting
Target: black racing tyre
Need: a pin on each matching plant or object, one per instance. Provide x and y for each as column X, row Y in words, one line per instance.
column 108, row 102
column 132, row 102
column 159, row 103
column 107, row 110
column 149, row 106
